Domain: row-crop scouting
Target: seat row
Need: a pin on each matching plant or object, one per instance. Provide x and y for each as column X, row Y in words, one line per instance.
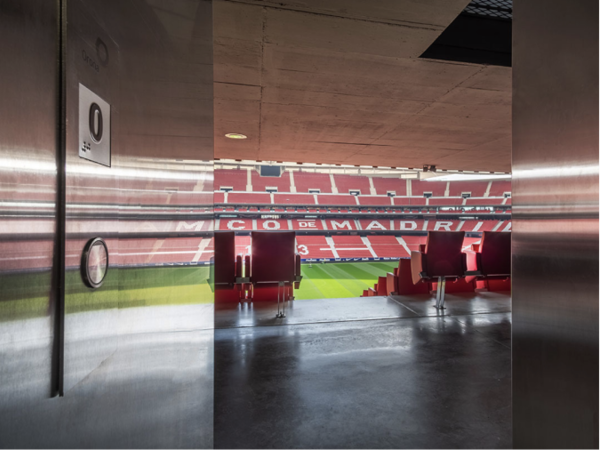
column 485, row 265
column 270, row 272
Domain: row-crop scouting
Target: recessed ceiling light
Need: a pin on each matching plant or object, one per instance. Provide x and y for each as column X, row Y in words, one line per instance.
column 236, row 136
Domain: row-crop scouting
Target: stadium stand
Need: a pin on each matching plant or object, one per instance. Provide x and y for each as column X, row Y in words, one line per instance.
column 219, row 197
column 446, row 201
column 259, row 184
column 294, row 199
column 346, row 183
column 484, row 201
column 372, row 200
column 475, row 188
column 387, row 246
column 234, row 178
column 341, row 224
column 351, row 247
column 437, row 188
column 313, row 247
column 336, row 200
column 385, row 185
column 499, row 188
column 307, row 180
column 249, row 198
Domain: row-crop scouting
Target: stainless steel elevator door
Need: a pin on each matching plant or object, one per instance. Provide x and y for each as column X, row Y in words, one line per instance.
column 28, row 190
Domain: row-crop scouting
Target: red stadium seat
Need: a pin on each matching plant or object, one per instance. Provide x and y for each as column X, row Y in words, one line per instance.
column 490, row 260
column 228, row 268
column 306, row 180
column 274, row 265
column 401, row 283
column 381, row 286
column 441, row 259
column 232, row 178
column 345, row 183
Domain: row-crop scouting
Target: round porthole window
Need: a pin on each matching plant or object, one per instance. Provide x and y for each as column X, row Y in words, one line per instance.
column 94, row 262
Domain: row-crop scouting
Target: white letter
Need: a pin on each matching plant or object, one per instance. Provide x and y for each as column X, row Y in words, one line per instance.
column 375, row 225
column 404, row 225
column 231, row 225
column 445, row 225
column 275, row 226
column 337, row 225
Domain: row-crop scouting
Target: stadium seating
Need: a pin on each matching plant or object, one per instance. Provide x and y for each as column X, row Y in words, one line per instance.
column 381, row 286
column 227, row 268
column 499, row 188
column 385, row 185
column 440, row 260
column 307, row 180
column 313, row 247
column 437, row 188
column 446, row 201
column 219, row 197
column 490, row 260
column 387, row 246
column 365, row 200
column 484, row 201
column 249, row 198
column 351, row 247
column 345, row 183
column 233, row 178
column 274, row 265
column 400, row 282
column 294, row 199
column 259, row 184
column 336, row 200
column 475, row 188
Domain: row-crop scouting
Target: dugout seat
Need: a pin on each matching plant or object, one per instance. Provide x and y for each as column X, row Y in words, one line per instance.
column 440, row 260
column 491, row 259
column 274, row 266
column 227, row 268
column 400, row 282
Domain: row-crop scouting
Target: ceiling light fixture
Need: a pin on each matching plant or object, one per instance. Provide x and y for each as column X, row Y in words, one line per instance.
column 236, row 136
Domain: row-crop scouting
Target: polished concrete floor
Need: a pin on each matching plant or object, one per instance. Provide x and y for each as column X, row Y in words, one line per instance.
column 365, row 373
column 153, row 389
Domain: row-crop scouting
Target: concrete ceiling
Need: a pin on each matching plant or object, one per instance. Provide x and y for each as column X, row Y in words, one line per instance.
column 341, row 81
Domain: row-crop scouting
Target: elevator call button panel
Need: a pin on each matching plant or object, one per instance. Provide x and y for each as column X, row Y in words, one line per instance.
column 94, row 127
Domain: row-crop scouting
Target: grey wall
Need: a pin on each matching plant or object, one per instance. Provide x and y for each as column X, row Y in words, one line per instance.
column 137, row 353
column 555, row 223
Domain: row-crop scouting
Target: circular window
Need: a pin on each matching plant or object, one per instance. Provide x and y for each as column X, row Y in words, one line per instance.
column 94, row 262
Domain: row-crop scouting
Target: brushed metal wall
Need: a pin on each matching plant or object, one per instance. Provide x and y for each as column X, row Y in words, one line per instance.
column 555, row 224
column 28, row 189
column 138, row 350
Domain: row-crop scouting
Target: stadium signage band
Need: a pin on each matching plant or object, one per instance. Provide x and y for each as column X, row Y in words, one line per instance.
column 468, row 225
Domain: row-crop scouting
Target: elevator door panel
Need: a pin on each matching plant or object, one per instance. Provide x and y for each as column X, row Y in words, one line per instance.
column 28, row 142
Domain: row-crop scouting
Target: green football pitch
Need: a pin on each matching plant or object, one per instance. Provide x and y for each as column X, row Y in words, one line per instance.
column 26, row 295
column 340, row 280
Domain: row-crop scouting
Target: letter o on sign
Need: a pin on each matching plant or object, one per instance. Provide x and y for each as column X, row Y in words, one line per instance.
column 271, row 225
column 95, row 122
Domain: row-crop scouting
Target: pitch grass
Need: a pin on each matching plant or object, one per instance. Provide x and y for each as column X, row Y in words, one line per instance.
column 25, row 295
column 340, row 280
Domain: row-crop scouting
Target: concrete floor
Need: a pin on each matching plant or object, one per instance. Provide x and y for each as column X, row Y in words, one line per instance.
column 365, row 373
